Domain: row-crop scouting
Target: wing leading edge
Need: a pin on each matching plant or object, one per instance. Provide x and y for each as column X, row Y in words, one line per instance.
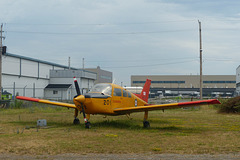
column 164, row 106
column 68, row 105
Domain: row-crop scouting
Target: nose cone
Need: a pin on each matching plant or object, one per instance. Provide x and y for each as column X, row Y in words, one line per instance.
column 80, row 99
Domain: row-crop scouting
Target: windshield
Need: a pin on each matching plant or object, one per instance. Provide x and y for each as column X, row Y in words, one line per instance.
column 106, row 89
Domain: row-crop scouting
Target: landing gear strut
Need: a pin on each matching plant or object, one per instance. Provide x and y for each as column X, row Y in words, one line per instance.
column 76, row 120
column 86, row 118
column 146, row 124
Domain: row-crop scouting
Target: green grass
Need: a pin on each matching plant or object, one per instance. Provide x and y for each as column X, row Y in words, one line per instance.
column 174, row 131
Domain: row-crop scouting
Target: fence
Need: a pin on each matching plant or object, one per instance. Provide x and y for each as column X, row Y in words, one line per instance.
column 54, row 94
column 28, row 92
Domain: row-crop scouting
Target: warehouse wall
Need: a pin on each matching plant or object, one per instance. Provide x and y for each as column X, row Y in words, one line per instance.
column 186, row 81
column 26, row 76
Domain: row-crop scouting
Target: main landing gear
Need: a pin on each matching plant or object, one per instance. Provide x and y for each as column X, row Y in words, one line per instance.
column 76, row 121
column 146, row 124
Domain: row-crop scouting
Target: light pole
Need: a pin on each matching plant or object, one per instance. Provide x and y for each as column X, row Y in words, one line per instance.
column 200, row 40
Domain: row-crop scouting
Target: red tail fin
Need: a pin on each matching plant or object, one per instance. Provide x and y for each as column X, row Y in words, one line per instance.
column 145, row 92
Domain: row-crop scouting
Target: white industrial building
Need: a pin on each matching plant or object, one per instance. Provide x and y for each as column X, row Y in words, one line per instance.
column 36, row 78
column 188, row 85
column 61, row 85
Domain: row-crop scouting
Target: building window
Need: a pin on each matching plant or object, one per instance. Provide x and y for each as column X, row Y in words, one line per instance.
column 219, row 81
column 106, row 77
column 55, row 92
column 139, row 81
column 176, row 82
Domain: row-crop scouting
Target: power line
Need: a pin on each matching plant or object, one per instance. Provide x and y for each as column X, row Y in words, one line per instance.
column 101, row 24
column 141, row 60
column 150, row 65
column 221, row 60
column 99, row 33
column 117, row 33
column 123, row 23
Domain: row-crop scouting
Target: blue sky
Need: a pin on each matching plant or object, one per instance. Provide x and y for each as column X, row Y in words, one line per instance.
column 137, row 37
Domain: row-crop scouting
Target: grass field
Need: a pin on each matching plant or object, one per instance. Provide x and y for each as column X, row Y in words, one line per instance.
column 200, row 131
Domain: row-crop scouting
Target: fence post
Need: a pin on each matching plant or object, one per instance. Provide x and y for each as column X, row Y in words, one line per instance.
column 33, row 90
column 24, row 90
column 14, row 88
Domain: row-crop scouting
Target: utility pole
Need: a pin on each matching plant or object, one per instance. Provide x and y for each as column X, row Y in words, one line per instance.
column 200, row 40
column 1, row 49
column 69, row 65
column 83, row 63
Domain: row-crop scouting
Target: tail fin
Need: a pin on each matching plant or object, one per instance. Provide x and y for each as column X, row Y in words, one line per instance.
column 145, row 92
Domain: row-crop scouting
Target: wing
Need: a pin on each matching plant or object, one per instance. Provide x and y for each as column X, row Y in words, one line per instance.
column 164, row 106
column 68, row 105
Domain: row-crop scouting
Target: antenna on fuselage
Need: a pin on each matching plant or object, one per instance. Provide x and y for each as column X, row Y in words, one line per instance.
column 114, row 80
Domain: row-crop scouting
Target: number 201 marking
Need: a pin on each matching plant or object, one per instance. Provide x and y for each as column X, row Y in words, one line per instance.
column 106, row 102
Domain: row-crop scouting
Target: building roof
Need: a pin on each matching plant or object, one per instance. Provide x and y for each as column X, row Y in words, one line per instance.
column 238, row 67
column 58, row 86
column 37, row 60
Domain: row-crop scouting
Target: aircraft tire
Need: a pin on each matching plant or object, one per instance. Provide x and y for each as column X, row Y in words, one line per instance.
column 88, row 125
column 146, row 124
column 76, row 121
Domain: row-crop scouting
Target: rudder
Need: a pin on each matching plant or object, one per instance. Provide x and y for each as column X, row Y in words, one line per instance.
column 145, row 92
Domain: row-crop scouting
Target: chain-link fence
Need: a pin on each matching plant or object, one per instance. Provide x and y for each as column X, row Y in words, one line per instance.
column 53, row 93
column 28, row 92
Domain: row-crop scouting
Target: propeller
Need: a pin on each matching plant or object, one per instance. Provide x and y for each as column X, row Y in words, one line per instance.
column 79, row 100
column 77, row 86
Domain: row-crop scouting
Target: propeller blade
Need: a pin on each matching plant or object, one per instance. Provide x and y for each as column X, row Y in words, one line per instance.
column 77, row 86
column 79, row 101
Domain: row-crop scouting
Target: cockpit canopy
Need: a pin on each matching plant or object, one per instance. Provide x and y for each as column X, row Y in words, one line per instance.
column 102, row 88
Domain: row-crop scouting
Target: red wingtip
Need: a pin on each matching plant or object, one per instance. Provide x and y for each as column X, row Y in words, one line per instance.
column 28, row 98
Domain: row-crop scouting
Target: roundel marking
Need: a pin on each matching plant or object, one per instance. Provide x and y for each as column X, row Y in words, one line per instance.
column 136, row 102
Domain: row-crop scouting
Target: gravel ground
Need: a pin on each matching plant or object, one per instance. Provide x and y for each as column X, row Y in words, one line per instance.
column 122, row 157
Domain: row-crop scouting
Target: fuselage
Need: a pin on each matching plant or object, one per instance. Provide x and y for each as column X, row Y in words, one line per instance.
column 105, row 97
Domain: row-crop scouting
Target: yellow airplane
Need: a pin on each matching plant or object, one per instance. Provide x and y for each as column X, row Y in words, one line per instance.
column 111, row 99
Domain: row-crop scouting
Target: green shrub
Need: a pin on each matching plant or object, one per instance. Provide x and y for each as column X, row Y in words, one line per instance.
column 17, row 104
column 231, row 105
